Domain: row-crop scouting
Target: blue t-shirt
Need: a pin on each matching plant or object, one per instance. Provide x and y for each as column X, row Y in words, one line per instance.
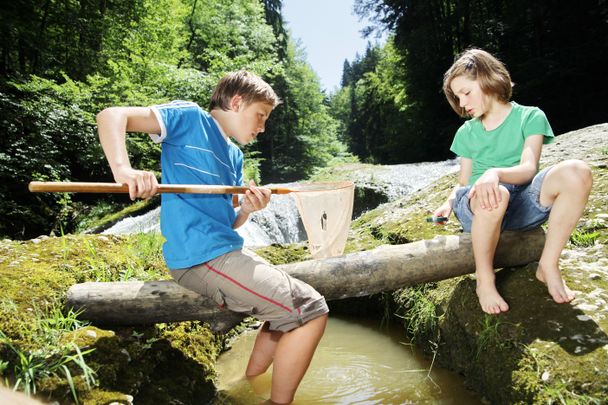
column 197, row 227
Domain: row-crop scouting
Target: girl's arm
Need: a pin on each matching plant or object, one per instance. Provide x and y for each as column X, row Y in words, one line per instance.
column 466, row 168
column 486, row 187
column 112, row 125
column 528, row 163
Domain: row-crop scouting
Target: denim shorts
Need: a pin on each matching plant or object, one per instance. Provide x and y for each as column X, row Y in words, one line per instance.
column 524, row 211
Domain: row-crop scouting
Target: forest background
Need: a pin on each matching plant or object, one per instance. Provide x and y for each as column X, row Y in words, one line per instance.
column 64, row 61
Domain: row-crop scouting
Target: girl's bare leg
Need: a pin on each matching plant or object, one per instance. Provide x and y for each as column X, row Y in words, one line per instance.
column 485, row 233
column 567, row 187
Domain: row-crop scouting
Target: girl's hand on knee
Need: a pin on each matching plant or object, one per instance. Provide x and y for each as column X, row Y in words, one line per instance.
column 487, row 191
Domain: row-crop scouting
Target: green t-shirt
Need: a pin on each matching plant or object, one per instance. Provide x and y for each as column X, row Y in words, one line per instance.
column 501, row 147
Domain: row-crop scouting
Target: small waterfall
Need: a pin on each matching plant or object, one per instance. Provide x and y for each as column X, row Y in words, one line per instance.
column 148, row 222
column 280, row 222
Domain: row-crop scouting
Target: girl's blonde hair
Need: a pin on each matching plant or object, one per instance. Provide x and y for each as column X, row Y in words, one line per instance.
column 490, row 73
column 245, row 84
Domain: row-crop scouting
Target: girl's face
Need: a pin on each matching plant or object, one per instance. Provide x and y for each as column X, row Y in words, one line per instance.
column 470, row 96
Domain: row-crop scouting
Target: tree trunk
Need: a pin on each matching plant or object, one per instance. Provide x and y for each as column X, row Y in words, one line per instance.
column 385, row 268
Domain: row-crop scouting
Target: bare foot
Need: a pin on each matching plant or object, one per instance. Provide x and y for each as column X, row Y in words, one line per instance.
column 555, row 284
column 490, row 300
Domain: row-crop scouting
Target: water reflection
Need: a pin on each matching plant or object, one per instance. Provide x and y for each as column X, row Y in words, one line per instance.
column 356, row 363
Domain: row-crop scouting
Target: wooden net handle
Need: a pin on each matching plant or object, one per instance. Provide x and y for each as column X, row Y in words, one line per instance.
column 84, row 187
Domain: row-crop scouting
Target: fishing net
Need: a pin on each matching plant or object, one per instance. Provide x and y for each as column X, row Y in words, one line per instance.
column 326, row 210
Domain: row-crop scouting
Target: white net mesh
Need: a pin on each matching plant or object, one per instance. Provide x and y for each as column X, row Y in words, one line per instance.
column 326, row 215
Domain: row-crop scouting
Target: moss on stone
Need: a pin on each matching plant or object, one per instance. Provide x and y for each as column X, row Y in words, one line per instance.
column 35, row 276
column 282, row 254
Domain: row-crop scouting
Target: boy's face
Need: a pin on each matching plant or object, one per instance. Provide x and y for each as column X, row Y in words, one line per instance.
column 470, row 95
column 249, row 120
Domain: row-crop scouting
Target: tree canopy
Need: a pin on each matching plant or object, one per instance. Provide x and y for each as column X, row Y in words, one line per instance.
column 64, row 61
column 391, row 106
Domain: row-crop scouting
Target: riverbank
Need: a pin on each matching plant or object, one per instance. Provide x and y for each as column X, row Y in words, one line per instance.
column 535, row 353
column 539, row 351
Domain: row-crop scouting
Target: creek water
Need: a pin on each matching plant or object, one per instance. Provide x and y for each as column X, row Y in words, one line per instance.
column 357, row 362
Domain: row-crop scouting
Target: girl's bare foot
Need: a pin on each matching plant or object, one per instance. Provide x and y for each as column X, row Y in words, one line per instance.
column 555, row 284
column 490, row 300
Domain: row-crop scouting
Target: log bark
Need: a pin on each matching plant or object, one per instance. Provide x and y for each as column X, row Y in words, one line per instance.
column 385, row 268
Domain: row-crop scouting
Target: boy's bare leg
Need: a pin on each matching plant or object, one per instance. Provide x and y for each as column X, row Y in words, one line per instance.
column 485, row 233
column 292, row 357
column 567, row 187
column 263, row 351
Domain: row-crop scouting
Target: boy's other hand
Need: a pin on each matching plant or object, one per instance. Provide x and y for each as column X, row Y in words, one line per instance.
column 256, row 198
column 142, row 184
column 487, row 191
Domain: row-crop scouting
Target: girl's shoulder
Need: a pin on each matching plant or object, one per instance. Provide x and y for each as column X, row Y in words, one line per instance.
column 527, row 112
column 532, row 120
column 471, row 125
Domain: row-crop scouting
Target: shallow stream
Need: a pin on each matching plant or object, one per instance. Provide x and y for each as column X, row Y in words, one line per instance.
column 357, row 362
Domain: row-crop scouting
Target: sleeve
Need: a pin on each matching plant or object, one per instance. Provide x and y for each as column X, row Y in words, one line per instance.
column 239, row 169
column 536, row 123
column 177, row 120
column 460, row 145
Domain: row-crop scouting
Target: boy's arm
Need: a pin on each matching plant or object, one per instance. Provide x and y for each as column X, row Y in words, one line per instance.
column 255, row 199
column 112, row 125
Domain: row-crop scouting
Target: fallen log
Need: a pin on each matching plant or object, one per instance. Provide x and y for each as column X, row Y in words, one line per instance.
column 385, row 268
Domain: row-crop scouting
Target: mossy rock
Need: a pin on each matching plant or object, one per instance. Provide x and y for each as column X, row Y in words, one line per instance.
column 159, row 364
column 537, row 352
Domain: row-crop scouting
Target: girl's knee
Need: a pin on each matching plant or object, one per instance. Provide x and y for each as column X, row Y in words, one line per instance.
column 504, row 193
column 575, row 173
column 475, row 204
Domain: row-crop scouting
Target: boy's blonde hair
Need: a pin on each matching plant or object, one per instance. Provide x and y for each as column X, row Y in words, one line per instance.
column 490, row 73
column 245, row 84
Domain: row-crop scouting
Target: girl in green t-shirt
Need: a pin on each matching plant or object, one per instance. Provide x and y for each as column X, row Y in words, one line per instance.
column 500, row 186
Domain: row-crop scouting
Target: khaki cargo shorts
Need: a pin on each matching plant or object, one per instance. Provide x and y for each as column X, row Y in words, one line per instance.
column 244, row 282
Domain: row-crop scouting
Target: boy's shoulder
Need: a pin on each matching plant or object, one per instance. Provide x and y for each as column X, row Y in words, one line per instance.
column 178, row 104
column 181, row 110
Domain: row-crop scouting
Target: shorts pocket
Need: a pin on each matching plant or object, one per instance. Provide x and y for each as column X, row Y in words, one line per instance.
column 218, row 297
column 227, row 302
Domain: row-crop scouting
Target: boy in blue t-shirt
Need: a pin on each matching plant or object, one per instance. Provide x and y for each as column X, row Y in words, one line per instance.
column 202, row 250
column 500, row 186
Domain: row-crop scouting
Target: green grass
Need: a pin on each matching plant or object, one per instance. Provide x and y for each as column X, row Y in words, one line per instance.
column 41, row 342
column 47, row 355
column 489, row 335
column 551, row 389
column 583, row 238
column 419, row 312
